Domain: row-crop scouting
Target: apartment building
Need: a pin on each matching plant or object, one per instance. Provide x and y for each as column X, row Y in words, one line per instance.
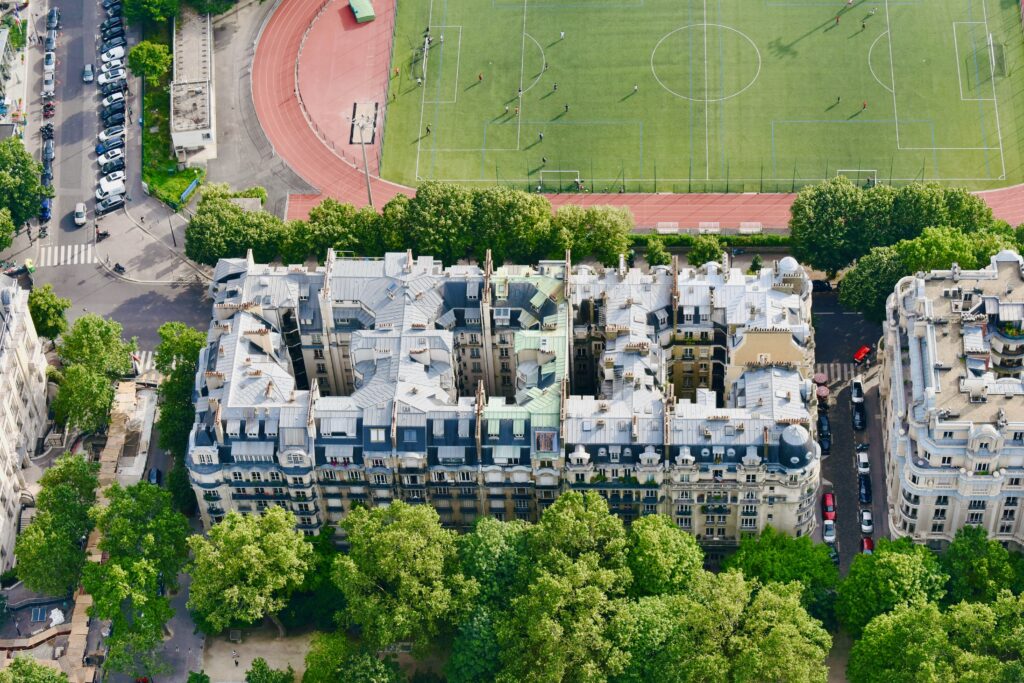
column 489, row 390
column 953, row 402
column 23, row 408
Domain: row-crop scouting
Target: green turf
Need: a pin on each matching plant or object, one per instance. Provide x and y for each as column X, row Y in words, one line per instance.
column 753, row 102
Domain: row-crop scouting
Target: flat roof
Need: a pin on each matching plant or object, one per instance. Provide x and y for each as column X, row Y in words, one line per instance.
column 191, row 88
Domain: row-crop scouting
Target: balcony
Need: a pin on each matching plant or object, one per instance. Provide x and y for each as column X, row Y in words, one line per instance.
column 259, row 496
column 215, row 509
column 211, row 496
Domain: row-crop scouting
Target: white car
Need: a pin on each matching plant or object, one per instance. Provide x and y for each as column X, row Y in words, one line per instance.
column 49, row 62
column 109, row 190
column 111, row 76
column 110, row 156
column 863, row 463
column 112, row 132
column 857, row 390
column 49, row 84
column 866, row 524
column 828, row 531
column 116, row 176
column 112, row 54
column 111, row 98
column 80, row 213
column 111, row 65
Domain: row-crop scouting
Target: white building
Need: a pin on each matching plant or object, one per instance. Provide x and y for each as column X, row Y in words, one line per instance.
column 953, row 402
column 193, row 119
column 22, row 405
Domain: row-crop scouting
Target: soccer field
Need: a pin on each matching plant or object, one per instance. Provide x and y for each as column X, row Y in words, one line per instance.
column 705, row 95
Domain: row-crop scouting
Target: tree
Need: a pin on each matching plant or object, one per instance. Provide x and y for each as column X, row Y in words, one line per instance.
column 260, row 672
column 47, row 311
column 967, row 211
column 657, row 254
column 143, row 540
column 439, row 220
column 198, row 677
column 7, row 228
column 774, row 556
column 150, row 60
column 599, row 232
column 330, row 226
column 867, row 286
column 915, row 207
column 511, row 223
column 936, row 248
column 183, row 497
column 756, row 263
column 401, row 578
column 155, row 11
column 247, row 569
column 221, row 229
column 317, row 600
column 662, row 557
column 177, row 359
column 28, row 670
column 332, row 658
column 475, row 651
column 978, row 568
column 901, row 646
column 83, row 399
column 20, row 189
column 705, row 249
column 494, row 555
column 824, row 225
column 897, row 572
column 51, row 551
column 95, row 343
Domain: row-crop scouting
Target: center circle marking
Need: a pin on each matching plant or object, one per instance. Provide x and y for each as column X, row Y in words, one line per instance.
column 705, row 98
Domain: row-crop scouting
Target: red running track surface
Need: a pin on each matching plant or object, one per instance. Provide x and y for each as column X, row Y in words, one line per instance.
column 343, row 62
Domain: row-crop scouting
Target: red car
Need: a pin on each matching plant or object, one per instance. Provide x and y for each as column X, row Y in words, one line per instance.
column 862, row 354
column 828, row 506
column 867, row 546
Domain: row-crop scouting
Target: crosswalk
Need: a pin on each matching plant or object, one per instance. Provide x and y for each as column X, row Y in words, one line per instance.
column 837, row 372
column 66, row 255
column 144, row 361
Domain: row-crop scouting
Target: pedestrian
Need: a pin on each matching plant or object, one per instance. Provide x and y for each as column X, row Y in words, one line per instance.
column 636, row 86
column 517, row 111
column 506, row 108
column 541, row 136
column 863, row 25
column 561, row 35
column 397, row 72
column 543, row 160
column 849, row 3
column 837, row 20
column 864, row 106
column 873, row 10
column 838, row 98
column 520, row 95
column 480, row 76
column 555, row 88
column 419, row 81
column 442, row 39
column 428, row 130
column 567, row 109
column 177, row 649
column 545, row 66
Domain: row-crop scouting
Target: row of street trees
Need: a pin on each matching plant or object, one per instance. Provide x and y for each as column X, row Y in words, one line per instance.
column 20, row 188
column 450, row 222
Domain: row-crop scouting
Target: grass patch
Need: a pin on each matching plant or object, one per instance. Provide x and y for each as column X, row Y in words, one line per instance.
column 159, row 166
column 17, row 32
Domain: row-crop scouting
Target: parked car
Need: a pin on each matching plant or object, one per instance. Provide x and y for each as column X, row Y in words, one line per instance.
column 863, row 463
column 111, row 99
column 79, row 213
column 114, row 10
column 860, row 419
column 821, row 286
column 867, row 525
column 113, row 120
column 114, row 86
column 112, row 21
column 109, row 204
column 111, row 65
column 112, row 43
column 46, row 177
column 867, row 546
column 862, row 354
column 53, row 19
column 107, row 4
column 112, row 32
column 155, row 476
column 110, row 156
column 112, row 132
column 49, row 84
column 864, row 489
column 115, row 53
column 110, row 190
column 824, row 434
column 828, row 506
column 111, row 76
column 45, row 209
column 49, row 62
column 112, row 166
column 833, row 553
column 88, row 74
column 48, row 151
column 112, row 177
column 50, row 44
column 115, row 108
column 857, row 389
column 828, row 531
column 112, row 143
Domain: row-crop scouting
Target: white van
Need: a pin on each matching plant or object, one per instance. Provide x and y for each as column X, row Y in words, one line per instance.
column 109, row 189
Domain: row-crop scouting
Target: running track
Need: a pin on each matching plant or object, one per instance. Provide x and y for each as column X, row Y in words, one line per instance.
column 336, row 69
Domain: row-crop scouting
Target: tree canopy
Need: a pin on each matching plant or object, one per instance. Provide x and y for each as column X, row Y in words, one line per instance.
column 96, row 343
column 260, row 672
column 979, row 569
column 20, row 189
column 332, row 658
column 28, row 670
column 662, row 557
column 83, row 399
column 150, row 60
column 47, row 311
column 705, row 249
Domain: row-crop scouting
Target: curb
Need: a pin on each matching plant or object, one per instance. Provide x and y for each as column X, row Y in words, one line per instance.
column 200, row 274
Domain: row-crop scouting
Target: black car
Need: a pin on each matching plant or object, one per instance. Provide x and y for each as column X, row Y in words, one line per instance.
column 113, row 120
column 50, row 44
column 834, row 554
column 106, row 206
column 107, row 4
column 48, row 153
column 53, row 19
column 112, row 32
column 46, row 179
column 860, row 419
column 114, row 86
column 864, row 489
column 111, row 166
column 112, row 21
column 824, row 433
column 821, row 286
column 48, row 166
column 111, row 109
column 114, row 11
column 155, row 476
column 112, row 43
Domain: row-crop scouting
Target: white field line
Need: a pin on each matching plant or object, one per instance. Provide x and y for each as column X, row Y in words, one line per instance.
column 892, row 75
column 458, row 62
column 423, row 103
column 522, row 70
column 707, row 101
column 959, row 76
column 995, row 98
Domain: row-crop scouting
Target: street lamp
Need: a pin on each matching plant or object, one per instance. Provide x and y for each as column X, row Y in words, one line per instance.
column 363, row 124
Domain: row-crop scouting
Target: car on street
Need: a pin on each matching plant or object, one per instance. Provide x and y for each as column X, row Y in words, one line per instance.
column 867, row 546
column 80, row 213
column 828, row 531
column 859, row 417
column 110, row 190
column 862, row 354
column 49, row 84
column 112, row 143
column 867, row 525
column 828, row 506
column 821, row 286
column 114, row 120
column 864, row 489
column 112, row 32
column 46, row 177
column 114, row 11
column 45, row 209
column 833, row 553
column 112, row 43
column 107, row 4
column 112, row 21
column 88, row 74
column 109, row 204
column 50, row 43
column 824, row 434
column 863, row 463
column 113, row 86
column 48, row 152
column 112, row 177
column 49, row 62
column 110, row 156
column 112, row 132
column 109, row 55
column 53, row 19
column 155, row 476
column 111, row 65
column 112, row 166
column 857, row 389
column 109, row 76
column 115, row 108
column 111, row 98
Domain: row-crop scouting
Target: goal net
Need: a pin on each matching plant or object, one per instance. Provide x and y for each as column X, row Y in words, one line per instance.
column 996, row 57
column 866, row 177
column 559, row 180
column 426, row 55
